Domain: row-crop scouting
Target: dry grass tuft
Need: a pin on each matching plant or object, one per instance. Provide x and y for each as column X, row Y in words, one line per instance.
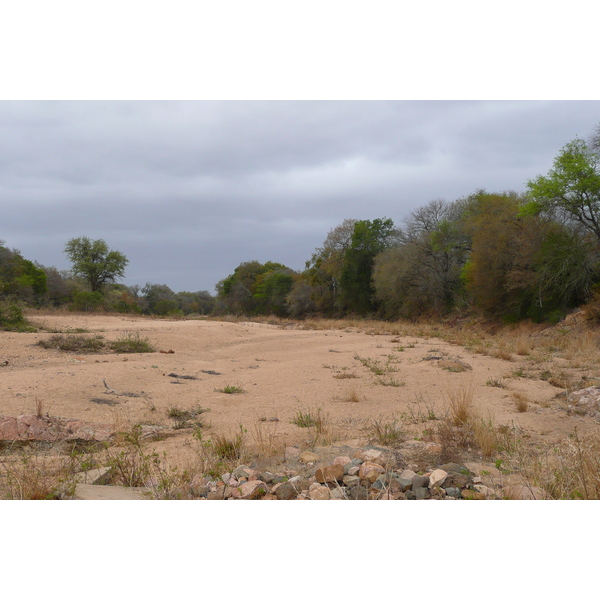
column 521, row 401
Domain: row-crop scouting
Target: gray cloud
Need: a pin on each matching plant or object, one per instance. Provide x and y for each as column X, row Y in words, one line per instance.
column 188, row 190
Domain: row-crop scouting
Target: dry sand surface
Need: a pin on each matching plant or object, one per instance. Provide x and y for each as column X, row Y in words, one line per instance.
column 283, row 370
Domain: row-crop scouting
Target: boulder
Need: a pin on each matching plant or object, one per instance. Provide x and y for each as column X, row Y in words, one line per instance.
column 330, row 474
column 308, row 457
column 252, row 490
column 437, row 478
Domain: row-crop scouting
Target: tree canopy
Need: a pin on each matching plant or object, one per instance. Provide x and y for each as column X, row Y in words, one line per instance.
column 95, row 262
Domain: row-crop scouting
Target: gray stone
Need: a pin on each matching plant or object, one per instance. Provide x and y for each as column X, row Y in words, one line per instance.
column 405, row 484
column 422, row 493
column 286, row 491
column 420, row 482
column 453, row 492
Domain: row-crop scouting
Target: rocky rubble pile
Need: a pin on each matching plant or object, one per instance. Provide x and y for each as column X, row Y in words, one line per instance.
column 368, row 473
column 28, row 428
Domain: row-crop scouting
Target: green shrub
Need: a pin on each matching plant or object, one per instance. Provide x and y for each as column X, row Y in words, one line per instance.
column 11, row 316
column 132, row 343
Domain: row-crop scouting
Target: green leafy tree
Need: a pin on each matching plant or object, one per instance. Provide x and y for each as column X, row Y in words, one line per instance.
column 369, row 238
column 571, row 190
column 95, row 262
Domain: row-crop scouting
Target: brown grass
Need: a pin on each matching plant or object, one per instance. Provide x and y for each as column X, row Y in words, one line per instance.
column 521, row 401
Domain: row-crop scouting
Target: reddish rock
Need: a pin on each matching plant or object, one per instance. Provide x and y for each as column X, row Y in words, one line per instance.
column 368, row 467
column 330, row 474
column 341, row 460
column 252, row 490
column 320, row 493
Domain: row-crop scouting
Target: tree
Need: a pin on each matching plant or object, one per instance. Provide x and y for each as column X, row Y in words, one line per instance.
column 571, row 189
column 369, row 238
column 95, row 262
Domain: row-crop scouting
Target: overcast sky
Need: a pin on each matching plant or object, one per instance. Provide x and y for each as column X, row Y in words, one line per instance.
column 189, row 189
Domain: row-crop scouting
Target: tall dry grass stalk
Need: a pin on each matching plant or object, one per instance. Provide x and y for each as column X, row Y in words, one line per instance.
column 569, row 470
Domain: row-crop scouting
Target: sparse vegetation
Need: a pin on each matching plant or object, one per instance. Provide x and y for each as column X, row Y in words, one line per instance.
column 231, row 389
column 132, row 342
column 79, row 344
column 385, row 433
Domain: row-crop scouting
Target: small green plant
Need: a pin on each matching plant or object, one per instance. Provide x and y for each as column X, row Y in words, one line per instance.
column 231, row 389
column 390, row 382
column 305, row 419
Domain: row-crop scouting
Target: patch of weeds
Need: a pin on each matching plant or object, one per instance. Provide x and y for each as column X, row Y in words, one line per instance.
column 305, row 419
column 385, row 433
column 182, row 376
column 79, row 344
column 231, row 389
column 210, row 372
column 521, row 401
column 186, row 418
column 351, row 375
column 132, row 342
column 351, row 396
column 39, row 477
column 230, row 448
column 390, row 382
column 496, row 383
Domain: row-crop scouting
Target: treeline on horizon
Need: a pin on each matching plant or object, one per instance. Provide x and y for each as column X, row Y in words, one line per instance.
column 532, row 255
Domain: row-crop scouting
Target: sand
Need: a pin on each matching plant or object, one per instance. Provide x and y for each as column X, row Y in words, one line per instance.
column 283, row 371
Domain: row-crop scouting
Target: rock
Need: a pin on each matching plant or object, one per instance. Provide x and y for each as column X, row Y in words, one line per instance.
column 242, row 471
column 437, row 478
column 370, row 455
column 308, row 457
column 350, row 480
column 408, row 474
column 267, row 477
column 368, row 467
column 472, row 495
column 101, row 476
column 456, row 480
column 252, row 490
column 286, row 491
column 342, row 460
column 358, row 492
column 330, row 474
column 221, row 493
column 454, row 492
column 420, row 482
column 587, row 400
column 422, row 493
column 405, row 484
column 337, row 494
column 352, row 470
column 320, row 493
